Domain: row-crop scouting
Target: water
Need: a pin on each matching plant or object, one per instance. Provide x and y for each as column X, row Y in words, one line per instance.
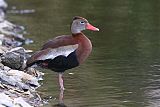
column 123, row 69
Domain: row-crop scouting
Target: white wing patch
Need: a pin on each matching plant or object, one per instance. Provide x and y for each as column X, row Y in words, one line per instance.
column 64, row 50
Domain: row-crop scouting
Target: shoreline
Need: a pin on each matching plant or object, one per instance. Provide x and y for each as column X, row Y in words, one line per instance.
column 17, row 85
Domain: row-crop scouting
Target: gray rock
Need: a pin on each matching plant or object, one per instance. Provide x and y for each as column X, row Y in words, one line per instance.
column 15, row 58
column 21, row 103
column 13, row 81
column 5, row 100
column 3, row 4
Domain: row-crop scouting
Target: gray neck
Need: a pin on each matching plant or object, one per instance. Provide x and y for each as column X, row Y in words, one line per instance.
column 75, row 31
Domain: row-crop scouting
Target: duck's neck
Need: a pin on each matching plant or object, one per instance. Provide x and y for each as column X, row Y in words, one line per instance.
column 75, row 31
column 84, row 46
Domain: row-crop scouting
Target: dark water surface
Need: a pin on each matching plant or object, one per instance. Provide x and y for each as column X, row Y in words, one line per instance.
column 124, row 67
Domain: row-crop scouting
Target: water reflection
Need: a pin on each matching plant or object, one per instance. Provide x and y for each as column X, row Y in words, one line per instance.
column 152, row 89
column 60, row 102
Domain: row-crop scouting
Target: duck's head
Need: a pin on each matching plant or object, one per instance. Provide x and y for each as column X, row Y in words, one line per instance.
column 79, row 24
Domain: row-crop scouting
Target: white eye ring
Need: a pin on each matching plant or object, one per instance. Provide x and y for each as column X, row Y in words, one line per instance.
column 81, row 22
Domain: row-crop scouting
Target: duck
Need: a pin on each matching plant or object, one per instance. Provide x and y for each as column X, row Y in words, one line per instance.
column 66, row 51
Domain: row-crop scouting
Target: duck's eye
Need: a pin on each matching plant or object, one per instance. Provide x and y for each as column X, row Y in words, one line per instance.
column 81, row 22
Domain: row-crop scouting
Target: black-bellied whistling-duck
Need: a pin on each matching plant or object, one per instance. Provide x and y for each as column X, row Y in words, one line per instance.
column 66, row 51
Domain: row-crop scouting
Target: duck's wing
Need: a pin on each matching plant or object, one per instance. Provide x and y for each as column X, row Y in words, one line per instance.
column 64, row 50
column 59, row 41
column 50, row 53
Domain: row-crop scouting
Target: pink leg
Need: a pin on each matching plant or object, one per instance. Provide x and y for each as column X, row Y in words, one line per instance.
column 61, row 96
column 61, row 81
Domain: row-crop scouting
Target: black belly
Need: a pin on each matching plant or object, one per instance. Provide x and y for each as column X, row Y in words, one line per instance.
column 61, row 63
